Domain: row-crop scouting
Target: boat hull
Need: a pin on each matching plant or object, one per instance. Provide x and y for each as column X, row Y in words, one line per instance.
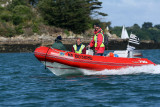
column 61, row 69
column 89, row 62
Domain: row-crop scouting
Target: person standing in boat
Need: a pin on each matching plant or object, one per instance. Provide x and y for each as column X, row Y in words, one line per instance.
column 98, row 41
column 79, row 47
column 58, row 43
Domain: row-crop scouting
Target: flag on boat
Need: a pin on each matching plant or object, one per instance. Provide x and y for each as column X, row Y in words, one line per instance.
column 134, row 39
column 130, row 48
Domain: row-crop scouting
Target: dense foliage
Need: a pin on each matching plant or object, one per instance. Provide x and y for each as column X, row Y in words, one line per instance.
column 17, row 16
column 74, row 15
column 27, row 17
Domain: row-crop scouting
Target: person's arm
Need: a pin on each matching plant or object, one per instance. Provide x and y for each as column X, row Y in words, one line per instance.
column 73, row 50
column 84, row 50
column 64, row 48
column 53, row 45
column 92, row 42
column 61, row 46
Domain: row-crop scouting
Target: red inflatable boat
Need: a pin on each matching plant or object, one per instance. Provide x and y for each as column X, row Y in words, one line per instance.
column 50, row 57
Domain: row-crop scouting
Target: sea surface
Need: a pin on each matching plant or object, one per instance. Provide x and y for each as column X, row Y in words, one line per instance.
column 24, row 82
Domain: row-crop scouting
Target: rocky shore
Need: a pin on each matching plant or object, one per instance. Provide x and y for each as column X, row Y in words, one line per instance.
column 29, row 44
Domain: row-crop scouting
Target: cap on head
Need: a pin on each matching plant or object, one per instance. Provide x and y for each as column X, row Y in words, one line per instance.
column 97, row 25
column 59, row 37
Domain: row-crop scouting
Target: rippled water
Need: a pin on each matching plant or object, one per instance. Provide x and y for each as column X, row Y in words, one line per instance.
column 25, row 82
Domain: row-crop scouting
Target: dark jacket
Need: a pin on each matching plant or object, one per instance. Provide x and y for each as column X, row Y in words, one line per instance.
column 58, row 45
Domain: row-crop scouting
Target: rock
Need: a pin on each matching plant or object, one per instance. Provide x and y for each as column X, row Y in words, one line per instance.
column 71, row 37
column 3, row 39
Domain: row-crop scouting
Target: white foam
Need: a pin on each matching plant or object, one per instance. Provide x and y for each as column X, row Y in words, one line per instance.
column 148, row 69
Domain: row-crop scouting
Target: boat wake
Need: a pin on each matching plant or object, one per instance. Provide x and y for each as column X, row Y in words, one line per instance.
column 148, row 69
column 60, row 69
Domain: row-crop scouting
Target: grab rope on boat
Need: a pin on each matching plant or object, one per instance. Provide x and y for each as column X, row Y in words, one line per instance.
column 46, row 56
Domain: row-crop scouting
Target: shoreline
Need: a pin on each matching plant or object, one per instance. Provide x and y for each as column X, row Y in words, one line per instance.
column 29, row 45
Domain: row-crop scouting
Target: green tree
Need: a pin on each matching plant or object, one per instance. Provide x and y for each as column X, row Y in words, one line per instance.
column 157, row 26
column 21, row 14
column 6, row 16
column 73, row 15
column 136, row 26
column 32, row 2
column 117, row 30
column 147, row 25
column 15, row 3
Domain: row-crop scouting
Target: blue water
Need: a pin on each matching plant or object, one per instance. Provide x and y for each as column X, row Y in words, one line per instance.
column 25, row 82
